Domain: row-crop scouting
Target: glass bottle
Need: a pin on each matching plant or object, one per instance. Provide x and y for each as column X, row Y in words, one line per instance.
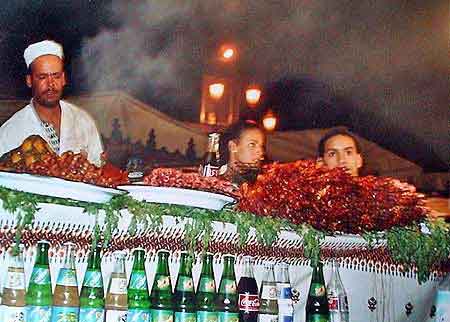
column 66, row 302
column 184, row 292
column 206, row 292
column 227, row 297
column 211, row 161
column 284, row 295
column 13, row 301
column 39, row 295
column 440, row 310
column 161, row 297
column 268, row 310
column 337, row 297
column 317, row 302
column 116, row 304
column 248, row 301
column 138, row 296
column 92, row 302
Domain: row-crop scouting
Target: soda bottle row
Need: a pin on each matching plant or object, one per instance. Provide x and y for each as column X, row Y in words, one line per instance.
column 132, row 301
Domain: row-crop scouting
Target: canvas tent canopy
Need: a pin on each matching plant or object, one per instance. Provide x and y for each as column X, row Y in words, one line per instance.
column 118, row 112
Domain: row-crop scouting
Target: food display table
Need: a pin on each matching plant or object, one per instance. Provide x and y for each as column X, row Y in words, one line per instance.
column 364, row 276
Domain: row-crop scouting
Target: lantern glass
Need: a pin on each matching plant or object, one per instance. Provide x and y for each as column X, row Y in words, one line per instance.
column 228, row 53
column 269, row 121
column 252, row 95
column 216, row 90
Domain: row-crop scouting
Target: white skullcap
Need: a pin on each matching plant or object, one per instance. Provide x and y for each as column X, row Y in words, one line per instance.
column 46, row 47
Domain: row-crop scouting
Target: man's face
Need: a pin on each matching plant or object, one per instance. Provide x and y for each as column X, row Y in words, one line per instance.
column 47, row 80
column 340, row 151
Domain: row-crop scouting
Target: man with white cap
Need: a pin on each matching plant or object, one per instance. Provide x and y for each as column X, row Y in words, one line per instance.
column 64, row 126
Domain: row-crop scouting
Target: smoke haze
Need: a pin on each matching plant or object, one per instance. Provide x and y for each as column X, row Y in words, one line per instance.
column 388, row 57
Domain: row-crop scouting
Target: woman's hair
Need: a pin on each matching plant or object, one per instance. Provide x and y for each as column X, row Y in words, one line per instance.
column 233, row 133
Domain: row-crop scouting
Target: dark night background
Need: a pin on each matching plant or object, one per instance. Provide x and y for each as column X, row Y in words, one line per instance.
column 378, row 67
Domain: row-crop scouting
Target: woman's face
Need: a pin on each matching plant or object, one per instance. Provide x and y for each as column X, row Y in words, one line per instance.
column 250, row 147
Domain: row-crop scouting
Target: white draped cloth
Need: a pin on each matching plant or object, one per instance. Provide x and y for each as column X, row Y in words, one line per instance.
column 78, row 131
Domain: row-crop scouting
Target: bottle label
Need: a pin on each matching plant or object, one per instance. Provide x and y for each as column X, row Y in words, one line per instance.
column 317, row 289
column 138, row 281
column 267, row 317
column 163, row 283
column 333, row 303
column 65, row 314
column 210, row 171
column 317, row 318
column 285, row 303
column 162, row 316
column 284, row 291
column 38, row 313
column 228, row 317
column 185, row 317
column 138, row 315
column 442, row 304
column 13, row 313
column 207, row 285
column 285, row 308
column 116, row 316
column 337, row 303
column 40, row 276
column 118, row 285
column 15, row 281
column 185, row 283
column 93, row 279
column 285, row 318
column 88, row 314
column 228, row 286
column 205, row 316
column 67, row 277
column 248, row 302
column 269, row 292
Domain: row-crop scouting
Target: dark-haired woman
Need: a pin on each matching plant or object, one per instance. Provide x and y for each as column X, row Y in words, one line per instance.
column 242, row 148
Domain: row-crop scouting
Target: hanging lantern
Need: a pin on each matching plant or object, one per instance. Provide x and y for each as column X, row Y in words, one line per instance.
column 269, row 121
column 216, row 90
column 252, row 95
column 228, row 53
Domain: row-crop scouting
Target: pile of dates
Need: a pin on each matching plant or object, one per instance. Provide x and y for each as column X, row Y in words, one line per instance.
column 34, row 156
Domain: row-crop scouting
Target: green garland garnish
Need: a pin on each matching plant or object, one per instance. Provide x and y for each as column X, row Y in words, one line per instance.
column 408, row 245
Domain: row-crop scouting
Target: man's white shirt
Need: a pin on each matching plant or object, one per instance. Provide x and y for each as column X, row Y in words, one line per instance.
column 78, row 131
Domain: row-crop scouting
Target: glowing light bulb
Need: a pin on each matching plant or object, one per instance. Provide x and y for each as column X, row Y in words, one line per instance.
column 216, row 90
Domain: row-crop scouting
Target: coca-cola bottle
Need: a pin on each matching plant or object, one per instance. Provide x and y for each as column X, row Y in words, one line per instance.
column 211, row 161
column 248, row 300
column 337, row 297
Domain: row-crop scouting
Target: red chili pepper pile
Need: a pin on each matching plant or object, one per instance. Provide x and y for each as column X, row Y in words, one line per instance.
column 330, row 200
column 169, row 177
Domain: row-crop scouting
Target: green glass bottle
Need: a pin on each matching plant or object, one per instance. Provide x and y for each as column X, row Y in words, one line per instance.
column 184, row 292
column 226, row 304
column 161, row 297
column 138, row 297
column 39, row 295
column 317, row 302
column 92, row 302
column 206, row 292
